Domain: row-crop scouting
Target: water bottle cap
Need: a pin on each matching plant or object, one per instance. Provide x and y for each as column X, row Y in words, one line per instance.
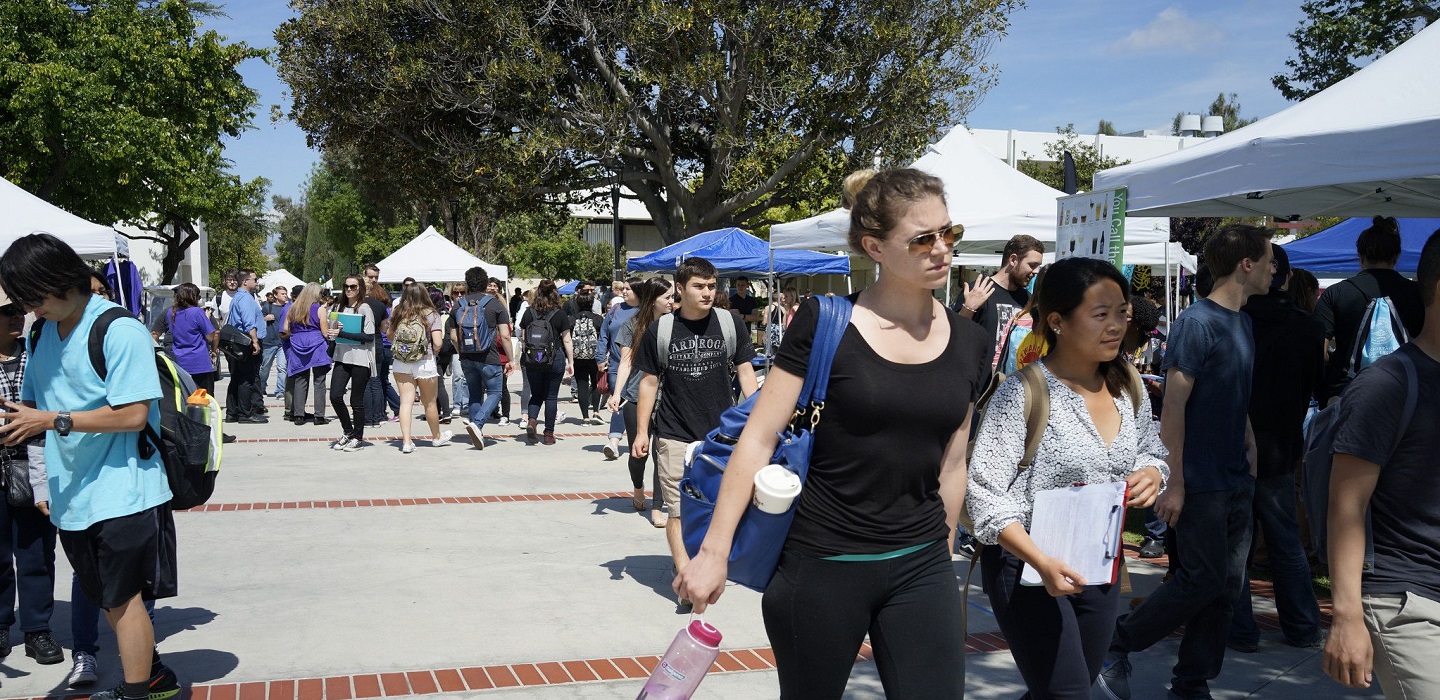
column 199, row 398
column 702, row 632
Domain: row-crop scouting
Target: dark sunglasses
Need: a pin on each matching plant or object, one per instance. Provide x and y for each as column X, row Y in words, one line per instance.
column 352, row 286
column 925, row 242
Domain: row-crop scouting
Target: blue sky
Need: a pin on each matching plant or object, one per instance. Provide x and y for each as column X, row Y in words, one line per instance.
column 1134, row 62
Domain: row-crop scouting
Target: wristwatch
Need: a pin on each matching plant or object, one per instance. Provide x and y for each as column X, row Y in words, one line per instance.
column 63, row 424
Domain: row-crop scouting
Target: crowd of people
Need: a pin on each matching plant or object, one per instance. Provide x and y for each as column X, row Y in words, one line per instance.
column 927, row 420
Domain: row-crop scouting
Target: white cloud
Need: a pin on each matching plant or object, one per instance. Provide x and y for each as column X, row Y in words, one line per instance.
column 1171, row 31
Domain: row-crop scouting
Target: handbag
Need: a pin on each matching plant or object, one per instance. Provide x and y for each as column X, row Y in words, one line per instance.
column 760, row 536
column 602, row 386
column 16, row 476
column 234, row 342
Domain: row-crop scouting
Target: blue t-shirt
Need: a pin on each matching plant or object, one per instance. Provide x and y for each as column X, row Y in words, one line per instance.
column 245, row 314
column 96, row 476
column 1216, row 348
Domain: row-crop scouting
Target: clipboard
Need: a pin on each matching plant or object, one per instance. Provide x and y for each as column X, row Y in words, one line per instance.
column 1080, row 525
column 350, row 323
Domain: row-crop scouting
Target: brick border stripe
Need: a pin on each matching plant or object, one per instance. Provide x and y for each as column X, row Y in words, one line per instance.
column 391, row 502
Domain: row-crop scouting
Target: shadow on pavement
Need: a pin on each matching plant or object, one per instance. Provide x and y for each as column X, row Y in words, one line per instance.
column 201, row 665
column 653, row 570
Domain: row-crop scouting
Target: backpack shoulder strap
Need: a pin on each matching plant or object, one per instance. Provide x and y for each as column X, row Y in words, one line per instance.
column 97, row 339
column 727, row 329
column 1037, row 411
column 35, row 329
column 663, row 332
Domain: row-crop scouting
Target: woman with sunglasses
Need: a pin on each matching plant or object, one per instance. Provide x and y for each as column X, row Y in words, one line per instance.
column 652, row 299
column 354, row 363
column 869, row 550
column 1059, row 633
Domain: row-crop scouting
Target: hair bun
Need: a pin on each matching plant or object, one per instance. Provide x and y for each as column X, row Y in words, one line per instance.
column 854, row 183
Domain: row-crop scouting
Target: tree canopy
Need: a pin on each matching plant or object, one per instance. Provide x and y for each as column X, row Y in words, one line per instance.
column 115, row 110
column 714, row 112
column 1337, row 37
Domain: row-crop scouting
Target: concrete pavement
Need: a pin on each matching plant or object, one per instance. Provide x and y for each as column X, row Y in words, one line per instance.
column 314, row 587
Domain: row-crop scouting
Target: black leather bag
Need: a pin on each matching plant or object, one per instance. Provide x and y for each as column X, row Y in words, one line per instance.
column 234, row 342
column 15, row 476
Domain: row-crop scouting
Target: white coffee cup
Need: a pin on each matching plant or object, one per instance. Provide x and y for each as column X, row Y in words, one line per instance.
column 776, row 488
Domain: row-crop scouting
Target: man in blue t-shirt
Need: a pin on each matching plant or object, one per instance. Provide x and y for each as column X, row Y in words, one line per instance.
column 1387, row 619
column 108, row 492
column 1205, row 425
column 244, row 402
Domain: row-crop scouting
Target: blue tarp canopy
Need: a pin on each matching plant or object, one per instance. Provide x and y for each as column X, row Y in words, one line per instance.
column 568, row 288
column 1332, row 251
column 735, row 252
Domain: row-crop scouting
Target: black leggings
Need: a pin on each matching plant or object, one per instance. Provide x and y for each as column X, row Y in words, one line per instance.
column 817, row 613
column 356, row 377
column 545, row 389
column 1058, row 643
column 206, row 381
column 587, row 390
column 637, row 466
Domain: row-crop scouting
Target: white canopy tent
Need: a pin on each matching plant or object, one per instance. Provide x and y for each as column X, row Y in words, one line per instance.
column 1364, row 146
column 279, row 278
column 431, row 257
column 1157, row 255
column 26, row 214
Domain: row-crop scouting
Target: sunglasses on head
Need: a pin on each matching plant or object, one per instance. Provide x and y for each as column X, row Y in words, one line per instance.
column 925, row 242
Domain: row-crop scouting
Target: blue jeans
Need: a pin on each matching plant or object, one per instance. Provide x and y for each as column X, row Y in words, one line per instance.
column 270, row 356
column 1154, row 526
column 27, row 567
column 459, row 388
column 85, row 619
column 617, row 422
column 1294, row 595
column 483, row 382
column 1212, row 544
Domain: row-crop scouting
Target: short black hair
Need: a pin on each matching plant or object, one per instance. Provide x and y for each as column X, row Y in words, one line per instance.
column 100, row 277
column 1144, row 315
column 1428, row 273
column 1233, row 243
column 40, row 265
column 372, row 266
column 1381, row 242
column 295, row 291
column 742, row 278
column 692, row 268
column 475, row 280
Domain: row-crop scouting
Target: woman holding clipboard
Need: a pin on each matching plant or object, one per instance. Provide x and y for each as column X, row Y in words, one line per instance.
column 354, row 361
column 1096, row 433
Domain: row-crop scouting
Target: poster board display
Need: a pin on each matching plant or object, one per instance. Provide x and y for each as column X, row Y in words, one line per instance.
column 1091, row 225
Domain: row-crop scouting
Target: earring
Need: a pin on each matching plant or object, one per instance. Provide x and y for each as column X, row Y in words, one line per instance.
column 1056, row 329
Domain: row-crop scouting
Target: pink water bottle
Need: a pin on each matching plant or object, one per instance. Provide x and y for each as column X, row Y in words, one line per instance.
column 685, row 663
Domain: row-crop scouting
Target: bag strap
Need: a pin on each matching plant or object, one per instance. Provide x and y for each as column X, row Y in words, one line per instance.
column 727, row 330
column 829, row 329
column 663, row 333
column 1037, row 411
column 96, row 340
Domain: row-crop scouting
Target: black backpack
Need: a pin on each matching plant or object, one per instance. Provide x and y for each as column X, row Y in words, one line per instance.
column 184, row 443
column 541, row 341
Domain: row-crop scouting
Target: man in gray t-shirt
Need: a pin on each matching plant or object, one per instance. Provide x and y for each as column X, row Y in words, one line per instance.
column 484, row 369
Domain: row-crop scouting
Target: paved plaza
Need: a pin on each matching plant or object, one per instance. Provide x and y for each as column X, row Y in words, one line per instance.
column 515, row 572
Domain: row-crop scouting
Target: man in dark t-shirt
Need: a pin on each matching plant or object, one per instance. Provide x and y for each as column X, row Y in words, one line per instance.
column 697, row 373
column 1289, row 366
column 744, row 303
column 994, row 301
column 483, row 368
column 1210, row 496
column 1388, row 618
column 1342, row 307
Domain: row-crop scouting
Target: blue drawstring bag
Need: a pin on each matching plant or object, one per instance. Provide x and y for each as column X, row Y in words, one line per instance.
column 759, row 537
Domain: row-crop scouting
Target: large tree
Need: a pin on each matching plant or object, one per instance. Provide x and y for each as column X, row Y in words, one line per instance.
column 238, row 241
column 714, row 112
column 1336, row 35
column 115, row 110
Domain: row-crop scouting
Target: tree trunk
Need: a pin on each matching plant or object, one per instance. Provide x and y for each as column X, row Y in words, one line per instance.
column 182, row 235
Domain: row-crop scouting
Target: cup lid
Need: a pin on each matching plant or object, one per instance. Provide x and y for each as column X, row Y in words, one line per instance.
column 777, row 479
column 704, row 633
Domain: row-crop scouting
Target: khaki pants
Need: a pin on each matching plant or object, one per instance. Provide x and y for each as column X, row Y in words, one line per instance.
column 670, row 458
column 1405, row 632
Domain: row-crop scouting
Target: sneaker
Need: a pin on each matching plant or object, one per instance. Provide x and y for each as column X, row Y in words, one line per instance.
column 83, row 672
column 406, row 449
column 41, row 646
column 596, row 420
column 355, row 445
column 445, row 418
column 1152, row 548
column 965, row 545
column 455, row 412
column 443, row 440
column 163, row 686
column 611, row 451
column 560, row 417
column 1114, row 679
column 476, row 439
column 504, row 420
column 342, row 443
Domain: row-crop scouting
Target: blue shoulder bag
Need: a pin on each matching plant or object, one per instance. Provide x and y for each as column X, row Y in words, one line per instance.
column 759, row 537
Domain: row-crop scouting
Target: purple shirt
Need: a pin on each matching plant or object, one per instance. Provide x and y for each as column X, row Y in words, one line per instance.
column 189, row 330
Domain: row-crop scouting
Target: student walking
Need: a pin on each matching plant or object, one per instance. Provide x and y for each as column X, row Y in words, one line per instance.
column 548, row 356
column 1097, row 433
column 653, row 297
column 1211, row 490
column 108, row 493
column 416, row 330
column 608, row 355
column 305, row 328
column 354, row 362
column 474, row 319
column 869, row 548
column 194, row 341
column 1387, row 618
column 585, row 336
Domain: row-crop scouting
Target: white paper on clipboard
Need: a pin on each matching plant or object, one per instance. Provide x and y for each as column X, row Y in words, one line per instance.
column 1081, row 526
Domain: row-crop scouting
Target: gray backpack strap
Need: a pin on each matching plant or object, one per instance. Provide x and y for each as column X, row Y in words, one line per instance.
column 662, row 336
column 728, row 330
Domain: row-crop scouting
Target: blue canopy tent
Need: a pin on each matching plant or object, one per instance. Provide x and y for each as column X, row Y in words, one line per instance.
column 568, row 288
column 735, row 252
column 1332, row 251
